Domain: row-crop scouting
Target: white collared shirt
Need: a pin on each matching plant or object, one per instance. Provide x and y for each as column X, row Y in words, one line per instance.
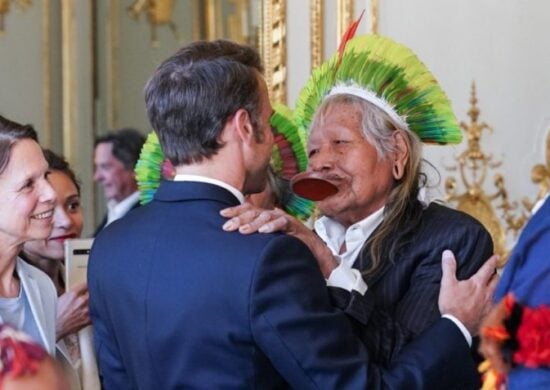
column 354, row 237
column 204, row 179
column 117, row 210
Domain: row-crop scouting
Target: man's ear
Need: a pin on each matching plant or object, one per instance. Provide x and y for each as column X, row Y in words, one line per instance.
column 243, row 125
column 401, row 154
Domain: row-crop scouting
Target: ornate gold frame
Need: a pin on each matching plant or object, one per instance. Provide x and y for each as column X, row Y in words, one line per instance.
column 68, row 76
column 344, row 16
column 273, row 47
column 373, row 22
column 317, row 17
column 113, row 33
column 46, row 74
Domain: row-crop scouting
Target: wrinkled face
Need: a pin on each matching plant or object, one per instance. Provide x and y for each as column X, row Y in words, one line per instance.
column 67, row 220
column 117, row 181
column 257, row 169
column 27, row 205
column 340, row 153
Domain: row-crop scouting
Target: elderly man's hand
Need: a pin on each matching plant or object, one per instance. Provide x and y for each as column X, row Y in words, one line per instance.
column 468, row 300
column 72, row 311
column 248, row 219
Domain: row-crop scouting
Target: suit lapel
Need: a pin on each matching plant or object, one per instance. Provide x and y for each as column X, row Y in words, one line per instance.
column 364, row 261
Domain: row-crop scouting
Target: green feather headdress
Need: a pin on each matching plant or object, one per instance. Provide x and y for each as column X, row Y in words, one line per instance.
column 151, row 168
column 287, row 159
column 390, row 76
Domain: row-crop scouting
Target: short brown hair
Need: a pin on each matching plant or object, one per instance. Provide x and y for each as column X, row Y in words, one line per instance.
column 192, row 94
column 10, row 133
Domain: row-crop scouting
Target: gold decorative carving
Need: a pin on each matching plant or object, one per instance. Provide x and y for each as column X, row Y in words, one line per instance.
column 473, row 165
column 159, row 13
column 317, row 42
column 344, row 17
column 5, row 6
column 273, row 47
column 540, row 175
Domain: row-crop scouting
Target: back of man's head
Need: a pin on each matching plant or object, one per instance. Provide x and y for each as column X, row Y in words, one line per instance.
column 193, row 93
column 126, row 145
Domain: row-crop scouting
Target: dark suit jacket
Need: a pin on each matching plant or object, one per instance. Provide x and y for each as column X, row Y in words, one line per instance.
column 401, row 301
column 104, row 220
column 176, row 302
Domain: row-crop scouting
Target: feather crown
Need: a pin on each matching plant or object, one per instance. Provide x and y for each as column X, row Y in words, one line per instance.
column 389, row 75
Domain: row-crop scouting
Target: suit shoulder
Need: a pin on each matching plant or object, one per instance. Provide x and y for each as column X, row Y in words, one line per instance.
column 446, row 216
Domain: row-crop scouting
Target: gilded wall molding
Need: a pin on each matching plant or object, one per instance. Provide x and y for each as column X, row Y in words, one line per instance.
column 373, row 22
column 113, row 43
column 68, row 76
column 273, row 47
column 46, row 75
column 317, row 43
column 344, row 16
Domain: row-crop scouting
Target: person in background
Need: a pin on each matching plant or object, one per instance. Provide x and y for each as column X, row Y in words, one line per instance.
column 27, row 295
column 379, row 247
column 49, row 256
column 115, row 157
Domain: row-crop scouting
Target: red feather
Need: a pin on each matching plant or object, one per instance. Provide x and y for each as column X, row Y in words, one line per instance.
column 350, row 33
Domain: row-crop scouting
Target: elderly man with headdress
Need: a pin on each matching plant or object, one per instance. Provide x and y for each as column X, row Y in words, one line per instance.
column 380, row 248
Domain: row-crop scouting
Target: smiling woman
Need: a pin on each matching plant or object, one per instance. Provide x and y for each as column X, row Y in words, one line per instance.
column 27, row 295
column 48, row 255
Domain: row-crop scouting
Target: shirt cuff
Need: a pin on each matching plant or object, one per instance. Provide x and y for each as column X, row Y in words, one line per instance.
column 461, row 326
column 347, row 278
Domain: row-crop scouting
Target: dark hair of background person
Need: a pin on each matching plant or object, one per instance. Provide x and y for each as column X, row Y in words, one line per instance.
column 193, row 93
column 127, row 143
column 10, row 133
column 58, row 163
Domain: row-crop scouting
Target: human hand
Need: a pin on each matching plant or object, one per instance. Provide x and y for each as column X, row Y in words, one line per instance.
column 491, row 346
column 467, row 300
column 72, row 311
column 247, row 219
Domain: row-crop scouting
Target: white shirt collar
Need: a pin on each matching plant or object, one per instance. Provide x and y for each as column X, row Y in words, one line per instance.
column 117, row 210
column 334, row 235
column 204, row 179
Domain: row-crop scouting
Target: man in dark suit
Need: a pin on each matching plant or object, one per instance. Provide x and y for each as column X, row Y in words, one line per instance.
column 115, row 157
column 177, row 302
